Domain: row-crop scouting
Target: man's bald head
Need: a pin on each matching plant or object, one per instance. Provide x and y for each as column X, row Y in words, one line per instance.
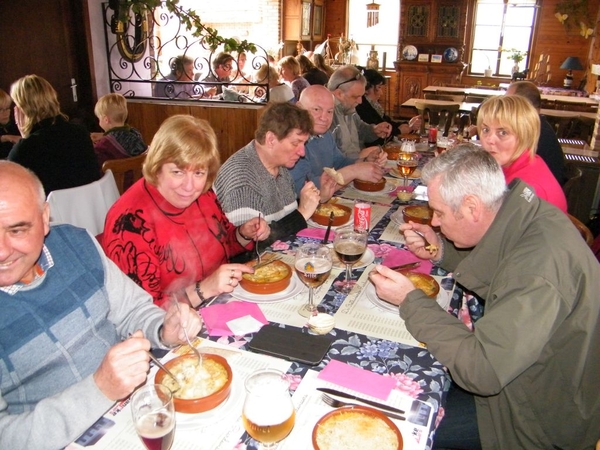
column 318, row 101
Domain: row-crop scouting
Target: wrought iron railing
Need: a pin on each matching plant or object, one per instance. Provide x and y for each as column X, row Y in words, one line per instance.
column 141, row 55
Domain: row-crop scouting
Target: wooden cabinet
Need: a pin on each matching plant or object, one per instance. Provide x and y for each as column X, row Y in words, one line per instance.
column 303, row 22
column 434, row 27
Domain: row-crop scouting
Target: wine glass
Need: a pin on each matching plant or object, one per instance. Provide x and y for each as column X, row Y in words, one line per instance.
column 154, row 416
column 268, row 413
column 407, row 164
column 313, row 266
column 349, row 245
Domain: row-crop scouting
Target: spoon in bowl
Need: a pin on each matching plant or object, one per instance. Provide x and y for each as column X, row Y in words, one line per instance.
column 187, row 337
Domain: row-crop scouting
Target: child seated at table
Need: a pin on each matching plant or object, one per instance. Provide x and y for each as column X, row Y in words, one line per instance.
column 119, row 140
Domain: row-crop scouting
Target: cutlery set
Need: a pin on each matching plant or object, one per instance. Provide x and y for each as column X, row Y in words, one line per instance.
column 389, row 411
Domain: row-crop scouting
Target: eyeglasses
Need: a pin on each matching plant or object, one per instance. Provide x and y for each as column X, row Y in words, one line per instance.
column 357, row 77
column 227, row 66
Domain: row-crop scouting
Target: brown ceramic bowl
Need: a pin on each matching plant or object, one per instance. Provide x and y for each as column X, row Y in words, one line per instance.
column 417, row 213
column 369, row 186
column 393, row 150
column 424, row 282
column 214, row 364
column 341, row 214
column 269, row 279
column 355, row 427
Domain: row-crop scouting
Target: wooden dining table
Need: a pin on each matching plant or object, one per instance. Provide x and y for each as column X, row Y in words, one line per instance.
column 368, row 337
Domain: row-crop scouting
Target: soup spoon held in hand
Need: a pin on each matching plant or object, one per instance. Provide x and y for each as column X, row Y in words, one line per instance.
column 187, row 337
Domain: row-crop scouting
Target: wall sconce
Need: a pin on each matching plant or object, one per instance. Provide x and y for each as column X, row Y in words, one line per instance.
column 596, row 71
column 571, row 63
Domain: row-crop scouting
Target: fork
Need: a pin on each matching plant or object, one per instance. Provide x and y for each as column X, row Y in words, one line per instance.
column 187, row 337
column 335, row 403
column 258, row 256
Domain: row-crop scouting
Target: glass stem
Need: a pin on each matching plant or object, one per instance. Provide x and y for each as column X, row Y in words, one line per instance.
column 348, row 273
column 311, row 305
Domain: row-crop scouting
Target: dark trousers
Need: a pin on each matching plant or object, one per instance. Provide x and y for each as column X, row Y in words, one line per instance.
column 458, row 429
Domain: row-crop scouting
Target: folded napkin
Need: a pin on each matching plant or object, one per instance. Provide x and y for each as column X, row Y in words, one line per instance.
column 359, row 380
column 397, row 257
column 248, row 316
column 315, row 233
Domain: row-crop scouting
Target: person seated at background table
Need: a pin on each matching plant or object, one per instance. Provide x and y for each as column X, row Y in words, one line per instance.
column 220, row 73
column 256, row 180
column 9, row 132
column 509, row 129
column 321, row 151
column 180, row 82
column 548, row 146
column 167, row 232
column 67, row 314
column 60, row 153
column 240, row 76
column 119, row 140
column 289, row 69
column 310, row 72
column 531, row 364
column 348, row 86
column 319, row 62
column 371, row 111
column 278, row 91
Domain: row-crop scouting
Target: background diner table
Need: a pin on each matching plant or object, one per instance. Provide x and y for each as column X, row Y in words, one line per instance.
column 371, row 347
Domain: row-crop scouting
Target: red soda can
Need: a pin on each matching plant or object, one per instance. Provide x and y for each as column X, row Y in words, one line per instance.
column 432, row 137
column 362, row 216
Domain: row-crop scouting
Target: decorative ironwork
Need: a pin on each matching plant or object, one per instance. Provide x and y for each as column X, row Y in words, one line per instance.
column 141, row 56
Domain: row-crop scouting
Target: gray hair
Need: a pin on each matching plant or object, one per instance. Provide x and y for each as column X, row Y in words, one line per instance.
column 465, row 170
column 344, row 76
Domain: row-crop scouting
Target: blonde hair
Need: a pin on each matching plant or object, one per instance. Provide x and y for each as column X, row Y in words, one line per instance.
column 5, row 99
column 37, row 99
column 112, row 105
column 187, row 142
column 517, row 115
column 290, row 63
column 266, row 73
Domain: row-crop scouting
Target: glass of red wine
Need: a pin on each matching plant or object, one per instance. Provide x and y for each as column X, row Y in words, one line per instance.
column 349, row 246
column 154, row 416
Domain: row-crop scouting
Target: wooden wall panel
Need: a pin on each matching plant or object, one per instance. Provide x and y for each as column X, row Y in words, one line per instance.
column 233, row 125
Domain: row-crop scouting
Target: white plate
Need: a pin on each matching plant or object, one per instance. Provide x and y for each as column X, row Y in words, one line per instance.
column 416, row 174
column 367, row 258
column 443, row 299
column 229, row 408
column 296, row 286
column 450, row 54
column 410, row 52
column 389, row 187
column 397, row 217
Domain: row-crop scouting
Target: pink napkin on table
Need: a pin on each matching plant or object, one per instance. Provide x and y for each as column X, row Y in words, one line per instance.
column 216, row 317
column 315, row 233
column 397, row 257
column 359, row 380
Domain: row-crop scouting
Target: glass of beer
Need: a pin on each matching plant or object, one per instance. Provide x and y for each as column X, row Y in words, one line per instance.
column 349, row 246
column 313, row 266
column 154, row 416
column 407, row 164
column 268, row 413
column 443, row 143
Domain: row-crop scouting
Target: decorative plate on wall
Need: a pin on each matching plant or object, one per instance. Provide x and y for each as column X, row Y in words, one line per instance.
column 410, row 52
column 450, row 54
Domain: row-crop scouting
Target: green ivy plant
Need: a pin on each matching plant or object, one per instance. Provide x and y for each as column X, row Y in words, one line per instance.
column 189, row 18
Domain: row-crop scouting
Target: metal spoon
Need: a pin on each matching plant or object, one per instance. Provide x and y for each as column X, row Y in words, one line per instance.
column 187, row 337
column 167, row 371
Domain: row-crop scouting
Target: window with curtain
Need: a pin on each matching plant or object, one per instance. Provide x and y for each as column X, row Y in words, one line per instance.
column 500, row 28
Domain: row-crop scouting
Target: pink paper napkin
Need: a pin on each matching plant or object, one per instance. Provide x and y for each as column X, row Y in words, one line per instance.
column 315, row 233
column 397, row 257
column 216, row 317
column 359, row 380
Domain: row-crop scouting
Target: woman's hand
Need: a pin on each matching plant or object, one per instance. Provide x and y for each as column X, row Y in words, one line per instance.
column 224, row 279
column 417, row 245
column 177, row 318
column 255, row 229
column 310, row 198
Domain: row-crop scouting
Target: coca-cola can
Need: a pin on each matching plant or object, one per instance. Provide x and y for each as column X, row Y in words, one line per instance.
column 432, row 137
column 362, row 216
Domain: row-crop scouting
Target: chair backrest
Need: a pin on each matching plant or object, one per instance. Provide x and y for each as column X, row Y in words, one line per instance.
column 84, row 206
column 474, row 99
column 126, row 170
column 437, row 111
column 429, row 96
column 585, row 232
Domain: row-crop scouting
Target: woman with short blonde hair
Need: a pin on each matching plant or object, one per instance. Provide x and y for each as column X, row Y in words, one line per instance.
column 168, row 232
column 509, row 129
column 289, row 69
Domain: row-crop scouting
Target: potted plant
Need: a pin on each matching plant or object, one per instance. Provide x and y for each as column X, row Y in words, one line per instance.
column 488, row 72
column 517, row 56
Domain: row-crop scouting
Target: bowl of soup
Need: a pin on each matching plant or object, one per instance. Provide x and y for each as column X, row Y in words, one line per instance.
column 417, row 213
column 268, row 279
column 369, row 186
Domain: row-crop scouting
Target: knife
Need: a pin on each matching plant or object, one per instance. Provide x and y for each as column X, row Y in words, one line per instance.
column 266, row 263
column 362, row 400
column 326, row 238
column 411, row 265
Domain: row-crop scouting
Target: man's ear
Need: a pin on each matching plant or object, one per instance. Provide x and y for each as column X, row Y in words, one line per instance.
column 46, row 218
column 472, row 207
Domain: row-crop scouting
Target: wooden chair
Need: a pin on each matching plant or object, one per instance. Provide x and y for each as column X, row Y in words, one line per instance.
column 585, row 232
column 458, row 97
column 126, row 170
column 429, row 96
column 474, row 99
column 438, row 113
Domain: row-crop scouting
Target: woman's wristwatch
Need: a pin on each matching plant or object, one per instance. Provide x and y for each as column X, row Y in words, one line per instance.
column 239, row 230
column 199, row 293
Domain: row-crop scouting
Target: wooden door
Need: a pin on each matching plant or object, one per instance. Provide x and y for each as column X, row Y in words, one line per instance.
column 49, row 38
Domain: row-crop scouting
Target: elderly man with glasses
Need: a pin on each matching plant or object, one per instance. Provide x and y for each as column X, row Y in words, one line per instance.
column 348, row 86
column 220, row 73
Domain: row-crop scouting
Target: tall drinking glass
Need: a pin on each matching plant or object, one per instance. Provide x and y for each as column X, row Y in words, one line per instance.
column 407, row 164
column 349, row 245
column 268, row 413
column 313, row 266
column 154, row 416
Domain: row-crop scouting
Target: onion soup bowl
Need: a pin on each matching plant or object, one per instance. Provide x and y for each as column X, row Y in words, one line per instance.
column 202, row 387
column 369, row 186
column 341, row 214
column 268, row 279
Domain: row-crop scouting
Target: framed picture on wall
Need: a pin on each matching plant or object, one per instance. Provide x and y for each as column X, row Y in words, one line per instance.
column 305, row 31
column 436, row 58
column 423, row 57
column 318, row 21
